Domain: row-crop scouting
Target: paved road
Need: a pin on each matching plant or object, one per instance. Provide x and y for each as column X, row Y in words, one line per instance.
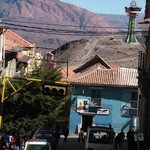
column 72, row 144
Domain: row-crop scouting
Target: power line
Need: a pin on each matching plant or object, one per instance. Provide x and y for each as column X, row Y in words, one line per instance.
column 61, row 31
column 60, row 25
column 63, row 25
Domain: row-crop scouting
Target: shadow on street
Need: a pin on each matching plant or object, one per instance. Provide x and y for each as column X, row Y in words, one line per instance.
column 70, row 144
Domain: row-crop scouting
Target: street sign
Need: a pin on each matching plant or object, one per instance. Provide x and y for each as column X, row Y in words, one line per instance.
column 103, row 111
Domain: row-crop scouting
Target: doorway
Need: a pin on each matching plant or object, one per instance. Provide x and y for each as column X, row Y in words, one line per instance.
column 87, row 121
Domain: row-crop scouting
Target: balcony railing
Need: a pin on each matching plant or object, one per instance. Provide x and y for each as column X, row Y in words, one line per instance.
column 134, row 104
column 96, row 102
column 129, row 108
column 134, row 107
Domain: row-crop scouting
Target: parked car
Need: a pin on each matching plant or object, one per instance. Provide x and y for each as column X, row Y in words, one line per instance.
column 99, row 138
column 46, row 135
column 37, row 145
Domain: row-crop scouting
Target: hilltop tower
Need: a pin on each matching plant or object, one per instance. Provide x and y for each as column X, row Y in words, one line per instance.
column 132, row 12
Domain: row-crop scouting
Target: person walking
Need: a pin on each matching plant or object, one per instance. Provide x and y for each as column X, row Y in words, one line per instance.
column 66, row 133
column 117, row 143
column 2, row 143
column 6, row 138
column 122, row 136
column 57, row 137
column 130, row 138
column 81, row 136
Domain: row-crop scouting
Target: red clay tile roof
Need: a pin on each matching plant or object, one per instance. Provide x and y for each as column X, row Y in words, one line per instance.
column 95, row 60
column 145, row 21
column 12, row 40
column 108, row 77
column 70, row 72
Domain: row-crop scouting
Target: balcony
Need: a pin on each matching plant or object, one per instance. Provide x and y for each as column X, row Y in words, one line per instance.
column 134, row 107
column 133, row 10
column 96, row 102
column 134, row 104
column 129, row 109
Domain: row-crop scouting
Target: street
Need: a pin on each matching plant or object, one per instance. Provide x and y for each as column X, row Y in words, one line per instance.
column 72, row 144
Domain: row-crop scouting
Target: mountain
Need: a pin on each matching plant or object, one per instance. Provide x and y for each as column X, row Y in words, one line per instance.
column 51, row 23
column 121, row 21
column 76, row 34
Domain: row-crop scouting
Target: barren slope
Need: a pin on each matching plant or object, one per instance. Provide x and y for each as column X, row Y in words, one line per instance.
column 113, row 50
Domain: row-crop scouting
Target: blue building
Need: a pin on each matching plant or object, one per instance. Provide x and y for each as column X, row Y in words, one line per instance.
column 102, row 95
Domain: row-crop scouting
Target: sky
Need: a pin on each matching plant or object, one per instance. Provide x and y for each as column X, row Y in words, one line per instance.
column 106, row 6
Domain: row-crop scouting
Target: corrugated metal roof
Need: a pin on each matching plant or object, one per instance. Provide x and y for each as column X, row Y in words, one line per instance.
column 110, row 77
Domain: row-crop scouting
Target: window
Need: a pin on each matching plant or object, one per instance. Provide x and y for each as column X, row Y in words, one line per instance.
column 134, row 98
column 96, row 97
column 102, row 137
column 134, row 95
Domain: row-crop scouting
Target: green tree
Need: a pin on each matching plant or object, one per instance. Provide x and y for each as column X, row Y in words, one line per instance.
column 30, row 109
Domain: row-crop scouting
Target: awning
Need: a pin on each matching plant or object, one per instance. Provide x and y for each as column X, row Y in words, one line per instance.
column 88, row 113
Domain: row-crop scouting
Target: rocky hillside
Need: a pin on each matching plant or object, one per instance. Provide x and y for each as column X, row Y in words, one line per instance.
column 114, row 51
column 51, row 23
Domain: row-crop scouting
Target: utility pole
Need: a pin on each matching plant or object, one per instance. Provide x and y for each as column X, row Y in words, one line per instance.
column 1, row 48
column 2, row 100
column 2, row 65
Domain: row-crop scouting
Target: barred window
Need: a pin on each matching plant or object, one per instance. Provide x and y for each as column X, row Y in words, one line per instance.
column 96, row 97
column 134, row 98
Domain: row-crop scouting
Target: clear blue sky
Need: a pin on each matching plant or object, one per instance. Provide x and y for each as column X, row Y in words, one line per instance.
column 106, row 6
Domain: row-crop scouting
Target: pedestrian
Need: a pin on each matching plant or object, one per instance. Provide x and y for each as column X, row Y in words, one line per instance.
column 66, row 133
column 2, row 143
column 117, row 143
column 6, row 138
column 57, row 137
column 130, row 138
column 18, row 142
column 122, row 136
column 134, row 144
column 81, row 136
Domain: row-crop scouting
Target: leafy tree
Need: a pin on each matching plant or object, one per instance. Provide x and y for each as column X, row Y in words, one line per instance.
column 30, row 109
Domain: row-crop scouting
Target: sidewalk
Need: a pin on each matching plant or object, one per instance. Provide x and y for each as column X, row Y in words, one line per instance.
column 72, row 135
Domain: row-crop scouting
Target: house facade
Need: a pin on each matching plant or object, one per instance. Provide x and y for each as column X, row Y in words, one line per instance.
column 105, row 96
column 16, row 51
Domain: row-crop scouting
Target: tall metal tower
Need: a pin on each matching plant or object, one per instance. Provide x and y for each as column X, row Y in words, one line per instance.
column 132, row 12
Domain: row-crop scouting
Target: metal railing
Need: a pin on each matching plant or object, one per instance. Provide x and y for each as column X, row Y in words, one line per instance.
column 134, row 104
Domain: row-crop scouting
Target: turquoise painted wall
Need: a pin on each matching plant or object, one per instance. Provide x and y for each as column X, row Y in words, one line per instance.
column 113, row 98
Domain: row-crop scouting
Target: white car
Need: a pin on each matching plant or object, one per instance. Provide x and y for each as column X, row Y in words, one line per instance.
column 37, row 145
column 99, row 138
column 45, row 135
